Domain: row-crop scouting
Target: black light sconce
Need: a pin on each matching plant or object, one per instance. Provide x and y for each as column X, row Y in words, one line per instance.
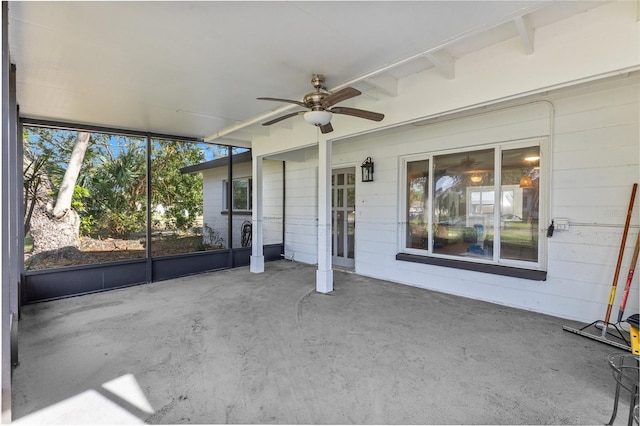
column 367, row 170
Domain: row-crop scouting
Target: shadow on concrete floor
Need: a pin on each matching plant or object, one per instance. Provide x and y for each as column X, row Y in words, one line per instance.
column 237, row 347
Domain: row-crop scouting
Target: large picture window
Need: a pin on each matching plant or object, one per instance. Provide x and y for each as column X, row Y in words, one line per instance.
column 481, row 205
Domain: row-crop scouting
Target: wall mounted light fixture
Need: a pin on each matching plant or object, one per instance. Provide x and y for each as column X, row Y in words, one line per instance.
column 367, row 170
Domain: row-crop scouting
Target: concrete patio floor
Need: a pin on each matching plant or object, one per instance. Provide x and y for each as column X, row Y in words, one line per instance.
column 237, row 347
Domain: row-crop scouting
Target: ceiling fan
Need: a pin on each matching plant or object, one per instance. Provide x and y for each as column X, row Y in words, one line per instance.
column 320, row 105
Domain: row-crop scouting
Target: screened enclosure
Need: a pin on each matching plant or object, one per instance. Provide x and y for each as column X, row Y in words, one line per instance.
column 105, row 209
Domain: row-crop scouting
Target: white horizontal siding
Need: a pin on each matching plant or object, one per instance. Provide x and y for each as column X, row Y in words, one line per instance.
column 301, row 212
column 595, row 177
column 604, row 158
column 611, row 200
column 580, row 140
column 272, row 202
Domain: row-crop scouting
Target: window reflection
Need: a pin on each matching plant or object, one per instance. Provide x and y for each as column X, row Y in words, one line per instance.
column 464, row 203
column 418, row 204
column 520, row 204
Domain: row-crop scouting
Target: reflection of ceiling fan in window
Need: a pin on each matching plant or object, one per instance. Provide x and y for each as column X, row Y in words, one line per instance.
column 467, row 163
column 467, row 169
column 465, row 166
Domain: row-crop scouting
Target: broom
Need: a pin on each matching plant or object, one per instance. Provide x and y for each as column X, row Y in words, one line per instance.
column 619, row 264
column 632, row 269
column 605, row 323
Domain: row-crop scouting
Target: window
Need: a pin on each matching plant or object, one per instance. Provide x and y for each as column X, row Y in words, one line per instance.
column 481, row 206
column 241, row 195
column 417, row 203
column 520, row 213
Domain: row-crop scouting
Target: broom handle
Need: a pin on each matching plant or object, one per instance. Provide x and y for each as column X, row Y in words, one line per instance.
column 619, row 264
column 627, row 286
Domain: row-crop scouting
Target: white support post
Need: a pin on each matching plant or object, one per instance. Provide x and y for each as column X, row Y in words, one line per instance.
column 257, row 254
column 324, row 274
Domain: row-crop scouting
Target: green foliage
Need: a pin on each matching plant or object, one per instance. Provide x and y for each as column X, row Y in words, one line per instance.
column 119, row 189
column 80, row 195
column 33, row 179
column 56, row 146
column 78, row 203
column 111, row 192
column 87, row 224
column 121, row 224
column 180, row 194
column 28, row 243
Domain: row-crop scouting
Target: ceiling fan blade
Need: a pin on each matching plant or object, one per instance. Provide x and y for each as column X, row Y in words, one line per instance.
column 327, row 128
column 302, row 104
column 339, row 96
column 283, row 117
column 369, row 115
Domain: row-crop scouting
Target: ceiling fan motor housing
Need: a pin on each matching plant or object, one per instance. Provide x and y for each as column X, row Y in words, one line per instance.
column 314, row 100
column 317, row 81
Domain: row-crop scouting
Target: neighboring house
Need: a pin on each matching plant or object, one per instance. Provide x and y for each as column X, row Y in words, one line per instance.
column 215, row 202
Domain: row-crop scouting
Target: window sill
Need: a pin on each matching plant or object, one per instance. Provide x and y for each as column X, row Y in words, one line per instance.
column 237, row 213
column 509, row 271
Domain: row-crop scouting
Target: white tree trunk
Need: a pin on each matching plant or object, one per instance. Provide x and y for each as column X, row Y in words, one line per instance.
column 57, row 230
column 65, row 194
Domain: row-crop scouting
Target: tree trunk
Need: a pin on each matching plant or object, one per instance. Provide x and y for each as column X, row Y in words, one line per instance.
column 65, row 194
column 50, row 234
column 56, row 230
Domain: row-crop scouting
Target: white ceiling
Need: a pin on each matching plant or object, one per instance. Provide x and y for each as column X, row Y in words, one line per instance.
column 195, row 68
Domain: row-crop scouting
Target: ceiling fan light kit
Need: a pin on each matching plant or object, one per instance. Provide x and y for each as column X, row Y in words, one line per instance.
column 317, row 118
column 320, row 103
